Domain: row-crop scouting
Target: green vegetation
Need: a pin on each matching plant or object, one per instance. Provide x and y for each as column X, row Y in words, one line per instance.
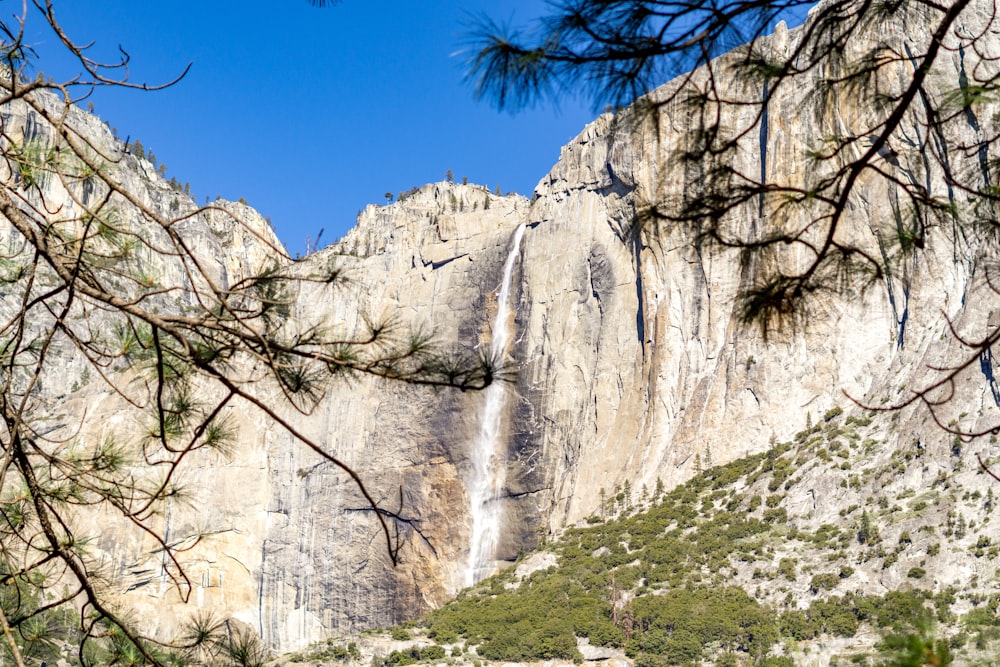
column 410, row 656
column 328, row 651
column 38, row 627
column 674, row 628
column 669, row 580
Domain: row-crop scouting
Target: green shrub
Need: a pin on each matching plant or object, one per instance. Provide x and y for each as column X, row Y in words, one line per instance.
column 678, row 621
column 727, row 660
column 867, row 532
column 778, row 515
column 410, row 656
column 900, row 608
column 523, row 642
column 798, row 625
column 823, row 582
column 431, row 653
column 833, row 413
column 979, row 617
column 650, row 660
column 914, row 648
column 443, row 635
column 786, row 568
column 777, row 661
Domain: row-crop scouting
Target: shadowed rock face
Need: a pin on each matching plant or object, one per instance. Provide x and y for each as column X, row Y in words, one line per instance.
column 627, row 363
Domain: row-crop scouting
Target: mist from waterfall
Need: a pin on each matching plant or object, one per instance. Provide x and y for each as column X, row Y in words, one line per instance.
column 488, row 460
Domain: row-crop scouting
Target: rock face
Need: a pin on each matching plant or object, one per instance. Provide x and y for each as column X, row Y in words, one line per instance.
column 628, row 364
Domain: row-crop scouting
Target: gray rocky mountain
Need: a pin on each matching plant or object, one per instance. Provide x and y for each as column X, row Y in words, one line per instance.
column 626, row 362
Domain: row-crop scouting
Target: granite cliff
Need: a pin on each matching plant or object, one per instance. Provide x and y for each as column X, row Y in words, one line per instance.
column 626, row 362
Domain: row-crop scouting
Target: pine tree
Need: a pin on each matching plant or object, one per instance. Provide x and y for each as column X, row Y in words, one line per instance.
column 867, row 533
column 137, row 149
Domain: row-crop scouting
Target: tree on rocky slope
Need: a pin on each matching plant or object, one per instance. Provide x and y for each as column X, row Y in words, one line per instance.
column 106, row 281
column 903, row 93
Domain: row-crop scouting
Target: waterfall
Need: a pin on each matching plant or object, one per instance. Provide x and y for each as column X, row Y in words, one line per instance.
column 488, row 464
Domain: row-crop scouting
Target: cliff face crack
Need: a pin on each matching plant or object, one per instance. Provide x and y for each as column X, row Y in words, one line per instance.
column 986, row 366
column 904, row 313
column 593, row 289
column 940, row 147
column 439, row 263
column 763, row 148
column 531, row 492
column 640, row 318
column 970, row 116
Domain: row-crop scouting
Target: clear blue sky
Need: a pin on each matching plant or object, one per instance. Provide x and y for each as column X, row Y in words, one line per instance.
column 310, row 114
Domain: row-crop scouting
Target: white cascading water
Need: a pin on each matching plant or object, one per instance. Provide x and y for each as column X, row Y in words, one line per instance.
column 488, row 464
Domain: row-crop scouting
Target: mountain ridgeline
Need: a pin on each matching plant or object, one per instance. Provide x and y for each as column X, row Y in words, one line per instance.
column 631, row 397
